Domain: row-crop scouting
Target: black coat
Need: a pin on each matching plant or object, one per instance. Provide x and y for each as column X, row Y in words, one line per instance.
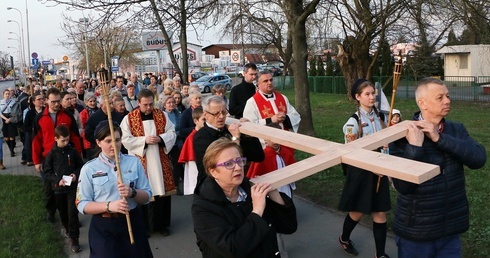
column 226, row 229
column 186, row 124
column 239, row 96
column 59, row 162
column 438, row 207
column 94, row 120
column 251, row 146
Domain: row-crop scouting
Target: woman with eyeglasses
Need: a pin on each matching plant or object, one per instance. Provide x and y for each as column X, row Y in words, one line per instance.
column 231, row 217
column 36, row 106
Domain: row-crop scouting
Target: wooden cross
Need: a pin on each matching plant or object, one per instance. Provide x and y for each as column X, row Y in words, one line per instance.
column 357, row 153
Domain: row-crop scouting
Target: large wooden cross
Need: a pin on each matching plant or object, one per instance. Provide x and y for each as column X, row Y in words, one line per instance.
column 357, row 153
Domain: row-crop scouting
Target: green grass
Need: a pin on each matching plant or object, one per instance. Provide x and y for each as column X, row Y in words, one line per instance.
column 24, row 231
column 330, row 112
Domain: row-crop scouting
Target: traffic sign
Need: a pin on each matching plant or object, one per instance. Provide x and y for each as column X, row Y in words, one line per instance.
column 235, row 56
column 35, row 61
column 34, row 55
column 115, row 63
column 46, row 62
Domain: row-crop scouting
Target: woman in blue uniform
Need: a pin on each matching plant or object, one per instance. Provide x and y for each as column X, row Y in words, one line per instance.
column 100, row 194
column 364, row 191
column 10, row 114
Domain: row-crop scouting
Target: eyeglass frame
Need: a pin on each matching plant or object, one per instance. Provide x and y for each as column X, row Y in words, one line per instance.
column 222, row 112
column 235, row 162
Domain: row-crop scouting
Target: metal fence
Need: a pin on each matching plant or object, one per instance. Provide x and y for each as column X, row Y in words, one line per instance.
column 466, row 88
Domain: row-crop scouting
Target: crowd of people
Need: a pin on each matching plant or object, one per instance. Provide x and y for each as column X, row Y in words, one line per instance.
column 168, row 139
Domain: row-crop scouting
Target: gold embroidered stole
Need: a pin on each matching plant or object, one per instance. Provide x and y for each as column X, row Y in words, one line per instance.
column 137, row 130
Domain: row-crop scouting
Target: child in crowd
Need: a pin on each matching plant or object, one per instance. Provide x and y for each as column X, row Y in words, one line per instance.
column 187, row 153
column 276, row 157
column 62, row 168
column 396, row 117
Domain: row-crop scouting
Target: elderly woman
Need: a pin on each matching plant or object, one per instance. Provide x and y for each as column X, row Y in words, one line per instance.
column 186, row 121
column 231, row 217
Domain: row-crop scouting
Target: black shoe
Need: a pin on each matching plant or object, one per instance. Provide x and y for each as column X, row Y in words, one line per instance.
column 12, row 154
column 348, row 247
column 23, row 162
column 165, row 232
column 50, row 218
column 382, row 256
column 75, row 245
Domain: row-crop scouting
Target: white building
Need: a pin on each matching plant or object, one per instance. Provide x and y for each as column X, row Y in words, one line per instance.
column 466, row 60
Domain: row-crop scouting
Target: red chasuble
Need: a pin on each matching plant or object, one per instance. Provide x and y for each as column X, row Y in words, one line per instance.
column 265, row 107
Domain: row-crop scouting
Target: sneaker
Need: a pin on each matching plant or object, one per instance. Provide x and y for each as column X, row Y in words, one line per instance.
column 23, row 162
column 382, row 256
column 29, row 164
column 75, row 246
column 348, row 247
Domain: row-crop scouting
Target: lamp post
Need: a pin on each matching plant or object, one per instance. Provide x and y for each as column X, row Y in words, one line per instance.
column 21, row 50
column 22, row 34
column 85, row 20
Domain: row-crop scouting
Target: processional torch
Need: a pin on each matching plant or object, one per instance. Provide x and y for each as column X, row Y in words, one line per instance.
column 105, row 88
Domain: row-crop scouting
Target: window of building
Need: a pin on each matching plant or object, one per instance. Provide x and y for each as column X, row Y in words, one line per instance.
column 463, row 61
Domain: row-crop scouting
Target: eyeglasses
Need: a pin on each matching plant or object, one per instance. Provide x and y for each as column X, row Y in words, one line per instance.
column 230, row 164
column 222, row 112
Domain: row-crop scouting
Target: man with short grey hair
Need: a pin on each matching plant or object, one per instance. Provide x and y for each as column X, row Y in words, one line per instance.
column 215, row 113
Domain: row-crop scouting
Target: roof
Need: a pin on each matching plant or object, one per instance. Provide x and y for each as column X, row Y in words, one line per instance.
column 235, row 46
column 459, row 49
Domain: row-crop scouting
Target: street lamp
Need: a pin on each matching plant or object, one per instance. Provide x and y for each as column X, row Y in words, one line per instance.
column 85, row 20
column 22, row 33
column 22, row 43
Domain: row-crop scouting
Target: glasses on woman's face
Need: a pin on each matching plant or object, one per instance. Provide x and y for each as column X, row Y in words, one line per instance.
column 230, row 164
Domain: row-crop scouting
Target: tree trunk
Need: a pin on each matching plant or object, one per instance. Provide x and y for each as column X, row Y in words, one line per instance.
column 301, row 85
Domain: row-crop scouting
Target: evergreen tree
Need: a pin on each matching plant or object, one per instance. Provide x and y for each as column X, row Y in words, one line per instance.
column 329, row 71
column 321, row 68
column 452, row 39
column 313, row 70
column 423, row 62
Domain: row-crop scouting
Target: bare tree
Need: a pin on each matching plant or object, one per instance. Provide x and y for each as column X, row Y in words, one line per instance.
column 4, row 64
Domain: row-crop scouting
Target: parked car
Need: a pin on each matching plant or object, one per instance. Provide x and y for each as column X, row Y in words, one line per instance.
column 206, row 83
column 196, row 75
column 274, row 70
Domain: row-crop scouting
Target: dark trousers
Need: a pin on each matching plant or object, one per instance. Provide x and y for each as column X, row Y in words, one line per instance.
column 177, row 168
column 49, row 198
column 156, row 214
column 109, row 237
column 27, row 148
column 68, row 212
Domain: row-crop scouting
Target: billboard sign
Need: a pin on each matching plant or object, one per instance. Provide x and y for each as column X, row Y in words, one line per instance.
column 153, row 40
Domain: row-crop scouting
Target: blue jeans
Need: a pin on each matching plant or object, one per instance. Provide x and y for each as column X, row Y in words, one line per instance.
column 448, row 247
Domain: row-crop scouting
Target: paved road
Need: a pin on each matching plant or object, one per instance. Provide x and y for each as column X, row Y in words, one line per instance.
column 316, row 236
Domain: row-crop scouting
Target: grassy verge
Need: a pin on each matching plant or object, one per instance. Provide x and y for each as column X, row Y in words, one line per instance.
column 329, row 115
column 24, row 231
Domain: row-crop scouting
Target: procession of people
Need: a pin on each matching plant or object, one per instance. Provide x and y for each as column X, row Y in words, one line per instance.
column 125, row 150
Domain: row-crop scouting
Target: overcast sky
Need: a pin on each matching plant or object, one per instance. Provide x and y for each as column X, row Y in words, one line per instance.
column 45, row 29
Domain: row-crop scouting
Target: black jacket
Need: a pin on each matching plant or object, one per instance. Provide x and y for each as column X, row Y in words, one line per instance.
column 59, row 162
column 251, row 146
column 94, row 120
column 226, row 229
column 239, row 96
column 186, row 124
column 438, row 207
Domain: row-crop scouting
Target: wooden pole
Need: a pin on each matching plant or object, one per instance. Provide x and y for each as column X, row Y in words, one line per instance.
column 397, row 73
column 116, row 151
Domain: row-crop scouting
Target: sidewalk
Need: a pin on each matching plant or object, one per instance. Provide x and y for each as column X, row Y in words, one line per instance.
column 318, row 228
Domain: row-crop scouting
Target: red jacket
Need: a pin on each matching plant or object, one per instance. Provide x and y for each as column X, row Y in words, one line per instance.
column 43, row 139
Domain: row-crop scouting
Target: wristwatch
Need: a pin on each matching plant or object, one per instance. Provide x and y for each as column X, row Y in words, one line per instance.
column 133, row 192
column 235, row 138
